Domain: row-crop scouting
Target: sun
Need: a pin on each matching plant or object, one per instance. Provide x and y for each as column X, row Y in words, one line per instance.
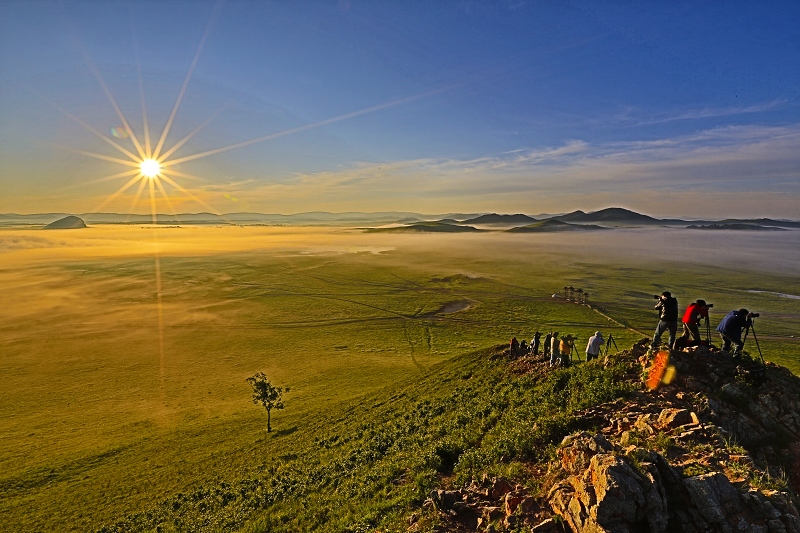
column 150, row 168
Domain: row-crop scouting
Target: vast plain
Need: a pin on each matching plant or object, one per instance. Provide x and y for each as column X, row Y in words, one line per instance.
column 124, row 349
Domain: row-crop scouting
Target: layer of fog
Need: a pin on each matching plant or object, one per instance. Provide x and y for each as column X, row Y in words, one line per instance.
column 768, row 251
column 757, row 251
column 776, row 252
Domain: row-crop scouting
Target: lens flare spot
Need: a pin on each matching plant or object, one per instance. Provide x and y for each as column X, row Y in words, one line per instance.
column 119, row 132
column 150, row 168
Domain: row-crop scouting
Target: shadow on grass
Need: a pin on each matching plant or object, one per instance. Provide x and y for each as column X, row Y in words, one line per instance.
column 283, row 432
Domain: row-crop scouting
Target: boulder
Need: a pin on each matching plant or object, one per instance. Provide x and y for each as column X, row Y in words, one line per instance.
column 673, row 418
column 713, row 496
column 609, row 496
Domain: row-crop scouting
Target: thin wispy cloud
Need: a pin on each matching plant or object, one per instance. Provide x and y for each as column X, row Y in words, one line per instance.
column 630, row 116
column 729, row 162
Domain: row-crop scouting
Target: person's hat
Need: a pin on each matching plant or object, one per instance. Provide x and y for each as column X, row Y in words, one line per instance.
column 599, row 334
column 701, row 302
column 667, row 294
column 743, row 311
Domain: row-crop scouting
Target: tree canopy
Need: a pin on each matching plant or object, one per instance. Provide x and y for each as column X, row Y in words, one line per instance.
column 266, row 394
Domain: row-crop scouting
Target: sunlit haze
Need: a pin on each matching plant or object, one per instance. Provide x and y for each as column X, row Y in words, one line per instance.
column 669, row 110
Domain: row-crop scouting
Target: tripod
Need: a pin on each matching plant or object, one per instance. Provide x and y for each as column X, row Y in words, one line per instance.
column 609, row 342
column 573, row 349
column 752, row 327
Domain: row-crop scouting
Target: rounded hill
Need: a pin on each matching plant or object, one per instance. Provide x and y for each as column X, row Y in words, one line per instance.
column 68, row 222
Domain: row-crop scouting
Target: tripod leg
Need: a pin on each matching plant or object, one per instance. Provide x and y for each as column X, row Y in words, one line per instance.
column 761, row 355
column 738, row 349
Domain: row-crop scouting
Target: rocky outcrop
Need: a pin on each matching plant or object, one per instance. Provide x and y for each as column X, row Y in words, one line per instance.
column 483, row 503
column 603, row 492
column 715, row 450
column 610, row 492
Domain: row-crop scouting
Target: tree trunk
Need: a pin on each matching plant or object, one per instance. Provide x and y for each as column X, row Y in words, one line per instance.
column 269, row 428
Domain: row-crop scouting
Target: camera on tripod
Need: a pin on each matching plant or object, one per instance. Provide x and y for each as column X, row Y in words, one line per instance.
column 709, row 305
column 656, row 297
column 754, row 315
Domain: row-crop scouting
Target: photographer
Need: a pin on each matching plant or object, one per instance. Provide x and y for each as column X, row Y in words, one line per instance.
column 667, row 319
column 594, row 346
column 555, row 343
column 535, row 343
column 731, row 327
column 565, row 347
column 691, row 322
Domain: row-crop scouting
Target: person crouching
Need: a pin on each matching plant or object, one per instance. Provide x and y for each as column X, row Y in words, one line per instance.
column 731, row 327
column 691, row 323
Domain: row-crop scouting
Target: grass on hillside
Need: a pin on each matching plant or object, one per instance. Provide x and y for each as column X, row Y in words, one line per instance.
column 373, row 463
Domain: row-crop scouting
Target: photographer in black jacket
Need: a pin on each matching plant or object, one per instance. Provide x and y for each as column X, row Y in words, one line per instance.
column 667, row 319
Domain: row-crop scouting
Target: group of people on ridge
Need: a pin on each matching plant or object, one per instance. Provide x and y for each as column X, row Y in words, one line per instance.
column 559, row 350
column 730, row 328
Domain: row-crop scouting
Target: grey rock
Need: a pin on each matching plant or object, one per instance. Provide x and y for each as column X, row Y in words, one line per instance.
column 713, row 496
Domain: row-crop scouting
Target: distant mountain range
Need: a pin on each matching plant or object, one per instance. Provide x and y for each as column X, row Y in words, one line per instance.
column 426, row 227
column 612, row 215
column 316, row 217
column 448, row 222
column 494, row 218
column 553, row 225
column 737, row 226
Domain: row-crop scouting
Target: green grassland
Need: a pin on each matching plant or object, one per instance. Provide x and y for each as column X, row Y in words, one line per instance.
column 105, row 413
column 372, row 462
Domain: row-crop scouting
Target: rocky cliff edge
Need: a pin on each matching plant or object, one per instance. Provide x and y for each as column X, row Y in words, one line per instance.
column 715, row 450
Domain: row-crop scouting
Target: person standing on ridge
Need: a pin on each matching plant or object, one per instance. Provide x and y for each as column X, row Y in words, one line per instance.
column 565, row 347
column 691, row 322
column 554, row 348
column 535, row 344
column 593, row 347
column 667, row 319
column 546, row 345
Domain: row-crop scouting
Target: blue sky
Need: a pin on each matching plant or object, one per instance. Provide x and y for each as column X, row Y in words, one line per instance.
column 666, row 108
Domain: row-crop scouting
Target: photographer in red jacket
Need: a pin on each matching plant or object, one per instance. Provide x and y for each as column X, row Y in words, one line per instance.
column 691, row 323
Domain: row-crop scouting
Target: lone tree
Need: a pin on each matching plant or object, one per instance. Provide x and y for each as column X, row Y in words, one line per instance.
column 267, row 395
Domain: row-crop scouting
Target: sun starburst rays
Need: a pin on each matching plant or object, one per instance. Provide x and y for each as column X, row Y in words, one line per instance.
column 151, row 164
